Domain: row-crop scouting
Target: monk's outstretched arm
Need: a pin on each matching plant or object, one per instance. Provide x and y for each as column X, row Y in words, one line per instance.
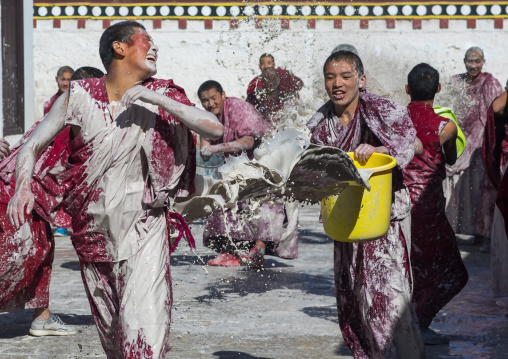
column 202, row 122
column 23, row 200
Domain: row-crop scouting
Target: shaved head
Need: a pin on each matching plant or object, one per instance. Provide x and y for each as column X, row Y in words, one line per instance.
column 474, row 49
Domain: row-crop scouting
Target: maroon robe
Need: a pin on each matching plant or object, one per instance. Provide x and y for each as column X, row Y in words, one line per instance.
column 49, row 103
column 438, row 271
column 289, row 83
column 470, row 195
column 26, row 253
column 373, row 279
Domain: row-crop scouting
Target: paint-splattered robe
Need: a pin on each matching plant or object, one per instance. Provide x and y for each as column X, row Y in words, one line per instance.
column 125, row 169
column 495, row 156
column 267, row 223
column 26, row 253
column 373, row 279
column 438, row 271
column 469, row 194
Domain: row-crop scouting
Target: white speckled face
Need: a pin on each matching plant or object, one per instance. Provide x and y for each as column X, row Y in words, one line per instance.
column 342, row 83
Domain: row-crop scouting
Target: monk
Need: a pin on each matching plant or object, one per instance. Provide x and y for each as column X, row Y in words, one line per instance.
column 372, row 279
column 438, row 271
column 495, row 156
column 270, row 102
column 260, row 231
column 289, row 85
column 469, row 194
column 132, row 155
column 24, row 284
column 63, row 79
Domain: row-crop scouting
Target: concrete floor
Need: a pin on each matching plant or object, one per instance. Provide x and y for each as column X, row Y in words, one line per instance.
column 285, row 311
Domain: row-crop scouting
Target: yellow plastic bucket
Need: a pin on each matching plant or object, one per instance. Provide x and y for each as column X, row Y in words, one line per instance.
column 357, row 215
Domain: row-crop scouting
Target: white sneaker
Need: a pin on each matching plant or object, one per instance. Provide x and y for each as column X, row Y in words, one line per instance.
column 52, row 326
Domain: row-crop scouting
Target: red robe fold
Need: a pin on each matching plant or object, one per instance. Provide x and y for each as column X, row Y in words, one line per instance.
column 26, row 253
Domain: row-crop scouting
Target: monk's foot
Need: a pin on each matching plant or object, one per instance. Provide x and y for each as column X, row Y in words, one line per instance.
column 224, row 260
column 52, row 326
column 255, row 259
column 430, row 337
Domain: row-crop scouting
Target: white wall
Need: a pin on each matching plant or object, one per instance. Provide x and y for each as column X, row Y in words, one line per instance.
column 194, row 55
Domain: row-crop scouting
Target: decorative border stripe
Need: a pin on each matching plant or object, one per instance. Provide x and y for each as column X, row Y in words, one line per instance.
column 450, row 10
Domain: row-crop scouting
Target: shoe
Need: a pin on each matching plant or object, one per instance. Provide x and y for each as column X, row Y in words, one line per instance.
column 52, row 326
column 60, row 232
column 485, row 248
column 254, row 259
column 224, row 260
column 430, row 337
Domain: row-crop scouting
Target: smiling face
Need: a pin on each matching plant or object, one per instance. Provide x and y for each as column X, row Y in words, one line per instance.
column 63, row 80
column 142, row 53
column 266, row 62
column 212, row 101
column 474, row 64
column 343, row 84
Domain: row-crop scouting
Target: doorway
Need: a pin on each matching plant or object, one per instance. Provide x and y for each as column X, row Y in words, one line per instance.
column 12, row 67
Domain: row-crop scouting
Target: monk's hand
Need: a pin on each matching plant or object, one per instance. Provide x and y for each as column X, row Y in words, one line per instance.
column 20, row 204
column 207, row 152
column 141, row 93
column 4, row 148
column 363, row 153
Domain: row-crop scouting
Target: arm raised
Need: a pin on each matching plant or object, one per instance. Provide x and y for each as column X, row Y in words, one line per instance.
column 202, row 122
column 23, row 200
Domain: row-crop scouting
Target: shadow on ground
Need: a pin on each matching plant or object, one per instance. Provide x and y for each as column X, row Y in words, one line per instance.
column 181, row 260
column 247, row 282
column 73, row 265
column 230, row 354
column 327, row 313
column 313, row 237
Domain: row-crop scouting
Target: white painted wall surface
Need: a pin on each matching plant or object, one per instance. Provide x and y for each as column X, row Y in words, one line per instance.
column 230, row 56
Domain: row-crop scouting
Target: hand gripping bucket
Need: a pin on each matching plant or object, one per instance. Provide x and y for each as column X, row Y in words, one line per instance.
column 210, row 167
column 358, row 215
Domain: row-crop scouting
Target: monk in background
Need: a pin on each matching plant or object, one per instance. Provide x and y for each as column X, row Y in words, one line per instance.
column 438, row 271
column 289, row 83
column 469, row 194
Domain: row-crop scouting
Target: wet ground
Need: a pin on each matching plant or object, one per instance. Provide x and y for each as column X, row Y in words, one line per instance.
column 285, row 311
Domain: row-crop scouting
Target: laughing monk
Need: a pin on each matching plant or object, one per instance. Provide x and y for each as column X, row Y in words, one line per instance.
column 469, row 194
column 132, row 155
column 372, row 279
column 438, row 271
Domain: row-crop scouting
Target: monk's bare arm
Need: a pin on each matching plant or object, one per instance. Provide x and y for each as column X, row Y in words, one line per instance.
column 202, row 122
column 418, row 146
column 242, row 144
column 447, row 139
column 499, row 105
column 23, row 200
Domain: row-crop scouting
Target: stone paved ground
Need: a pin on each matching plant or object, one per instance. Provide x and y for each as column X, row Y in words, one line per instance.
column 286, row 311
